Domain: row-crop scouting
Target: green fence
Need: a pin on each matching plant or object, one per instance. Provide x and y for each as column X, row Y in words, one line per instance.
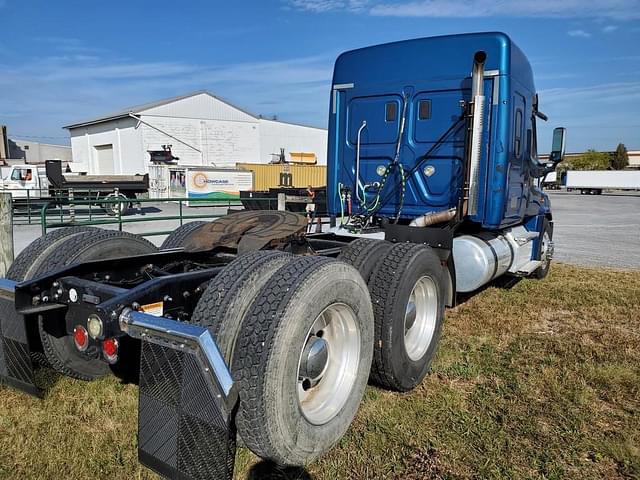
column 26, row 209
column 86, row 212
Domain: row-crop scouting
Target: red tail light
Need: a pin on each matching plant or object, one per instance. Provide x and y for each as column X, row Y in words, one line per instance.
column 81, row 338
column 110, row 350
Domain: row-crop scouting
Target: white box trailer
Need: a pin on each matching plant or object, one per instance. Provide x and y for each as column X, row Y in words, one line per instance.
column 593, row 182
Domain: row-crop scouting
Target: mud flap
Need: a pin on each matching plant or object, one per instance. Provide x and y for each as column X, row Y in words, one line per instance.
column 16, row 368
column 187, row 401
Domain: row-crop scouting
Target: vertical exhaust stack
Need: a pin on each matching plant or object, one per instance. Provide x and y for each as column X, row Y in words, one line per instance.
column 477, row 123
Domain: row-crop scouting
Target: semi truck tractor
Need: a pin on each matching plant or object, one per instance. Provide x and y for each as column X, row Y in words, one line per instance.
column 593, row 182
column 247, row 327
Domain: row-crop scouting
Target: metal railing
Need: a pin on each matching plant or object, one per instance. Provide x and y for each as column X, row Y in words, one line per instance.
column 28, row 203
column 85, row 212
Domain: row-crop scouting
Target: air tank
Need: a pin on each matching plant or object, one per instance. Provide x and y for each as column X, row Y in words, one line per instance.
column 479, row 259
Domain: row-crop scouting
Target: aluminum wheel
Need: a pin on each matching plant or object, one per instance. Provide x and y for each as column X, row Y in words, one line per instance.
column 420, row 318
column 328, row 364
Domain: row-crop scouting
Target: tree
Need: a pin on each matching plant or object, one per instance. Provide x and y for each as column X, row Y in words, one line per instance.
column 589, row 160
column 620, row 158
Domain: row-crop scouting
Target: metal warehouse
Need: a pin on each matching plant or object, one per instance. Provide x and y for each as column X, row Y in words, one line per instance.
column 201, row 128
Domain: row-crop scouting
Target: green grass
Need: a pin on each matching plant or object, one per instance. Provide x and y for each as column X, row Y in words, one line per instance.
column 539, row 381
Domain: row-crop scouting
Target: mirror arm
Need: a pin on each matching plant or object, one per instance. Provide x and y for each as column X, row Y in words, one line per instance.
column 540, row 115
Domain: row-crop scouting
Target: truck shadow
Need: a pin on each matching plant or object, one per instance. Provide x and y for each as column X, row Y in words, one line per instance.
column 505, row 282
column 270, row 471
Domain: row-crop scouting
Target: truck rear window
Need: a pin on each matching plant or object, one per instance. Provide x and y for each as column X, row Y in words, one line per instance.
column 424, row 110
column 391, row 111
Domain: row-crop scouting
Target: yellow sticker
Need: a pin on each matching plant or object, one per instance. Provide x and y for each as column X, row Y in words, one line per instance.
column 155, row 309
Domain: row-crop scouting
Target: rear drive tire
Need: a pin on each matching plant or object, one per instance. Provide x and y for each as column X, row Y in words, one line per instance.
column 96, row 244
column 408, row 296
column 177, row 237
column 364, row 254
column 226, row 300
column 28, row 259
column 302, row 360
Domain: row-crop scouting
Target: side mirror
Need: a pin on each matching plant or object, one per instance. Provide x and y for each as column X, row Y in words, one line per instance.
column 557, row 145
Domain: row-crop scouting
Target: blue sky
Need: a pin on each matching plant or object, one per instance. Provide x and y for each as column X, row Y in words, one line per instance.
column 62, row 61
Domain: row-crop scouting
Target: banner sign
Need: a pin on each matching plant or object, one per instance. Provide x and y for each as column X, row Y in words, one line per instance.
column 217, row 184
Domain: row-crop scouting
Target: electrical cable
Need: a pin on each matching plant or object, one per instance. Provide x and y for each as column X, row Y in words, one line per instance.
column 419, row 161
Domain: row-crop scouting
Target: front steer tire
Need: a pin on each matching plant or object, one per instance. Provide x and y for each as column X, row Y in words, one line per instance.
column 547, row 243
column 271, row 418
column 401, row 360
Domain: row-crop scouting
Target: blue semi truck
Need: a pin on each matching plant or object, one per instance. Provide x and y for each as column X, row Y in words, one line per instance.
column 249, row 327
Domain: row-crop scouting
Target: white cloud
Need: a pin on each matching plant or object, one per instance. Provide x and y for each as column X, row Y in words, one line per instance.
column 328, row 5
column 578, row 33
column 613, row 9
column 609, row 28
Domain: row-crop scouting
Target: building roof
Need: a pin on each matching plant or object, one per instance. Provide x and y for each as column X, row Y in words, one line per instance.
column 137, row 109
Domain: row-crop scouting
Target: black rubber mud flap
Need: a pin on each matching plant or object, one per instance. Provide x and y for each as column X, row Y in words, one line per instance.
column 186, row 417
column 16, row 368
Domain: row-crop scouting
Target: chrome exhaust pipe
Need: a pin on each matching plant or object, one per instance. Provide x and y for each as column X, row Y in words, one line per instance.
column 433, row 218
column 478, row 99
column 477, row 75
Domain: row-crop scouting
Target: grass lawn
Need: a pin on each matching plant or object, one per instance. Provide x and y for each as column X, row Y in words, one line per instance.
column 538, row 381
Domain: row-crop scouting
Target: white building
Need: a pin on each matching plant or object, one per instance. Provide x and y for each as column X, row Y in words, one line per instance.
column 28, row 151
column 201, row 128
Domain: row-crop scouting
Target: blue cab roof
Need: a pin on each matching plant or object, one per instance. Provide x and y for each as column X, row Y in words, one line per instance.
column 437, row 58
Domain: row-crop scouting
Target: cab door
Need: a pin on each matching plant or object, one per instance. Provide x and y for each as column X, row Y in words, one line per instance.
column 21, row 181
column 516, row 194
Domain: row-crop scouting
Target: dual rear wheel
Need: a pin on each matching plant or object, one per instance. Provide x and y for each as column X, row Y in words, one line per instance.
column 302, row 336
column 55, row 250
column 297, row 333
column 406, row 282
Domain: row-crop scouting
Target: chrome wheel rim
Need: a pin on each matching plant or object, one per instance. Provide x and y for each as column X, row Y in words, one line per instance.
column 420, row 318
column 328, row 364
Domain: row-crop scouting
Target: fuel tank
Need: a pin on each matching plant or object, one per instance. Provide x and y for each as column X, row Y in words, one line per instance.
column 479, row 259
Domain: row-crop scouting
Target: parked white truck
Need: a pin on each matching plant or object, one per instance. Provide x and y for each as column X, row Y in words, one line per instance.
column 593, row 182
column 49, row 183
column 26, row 181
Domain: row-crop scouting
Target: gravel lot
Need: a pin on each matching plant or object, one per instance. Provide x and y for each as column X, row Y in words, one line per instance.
column 589, row 230
column 601, row 230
